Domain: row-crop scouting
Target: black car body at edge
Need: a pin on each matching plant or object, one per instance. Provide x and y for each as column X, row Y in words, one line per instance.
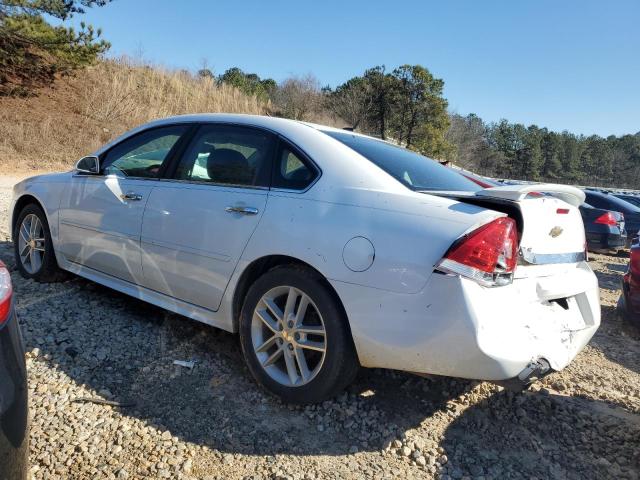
column 14, row 436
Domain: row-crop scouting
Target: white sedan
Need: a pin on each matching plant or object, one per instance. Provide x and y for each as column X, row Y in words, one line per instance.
column 325, row 249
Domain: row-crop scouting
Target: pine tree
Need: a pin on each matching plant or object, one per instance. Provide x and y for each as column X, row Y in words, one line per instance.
column 32, row 51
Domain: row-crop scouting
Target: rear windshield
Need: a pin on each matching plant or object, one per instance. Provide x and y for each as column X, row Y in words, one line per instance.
column 413, row 170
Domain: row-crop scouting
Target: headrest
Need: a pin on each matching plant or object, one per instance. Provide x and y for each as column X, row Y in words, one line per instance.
column 225, row 165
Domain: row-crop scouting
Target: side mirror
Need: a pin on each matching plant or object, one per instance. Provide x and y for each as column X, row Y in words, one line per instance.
column 90, row 164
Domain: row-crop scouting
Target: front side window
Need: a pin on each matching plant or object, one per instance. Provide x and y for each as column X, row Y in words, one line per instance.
column 291, row 171
column 413, row 170
column 142, row 155
column 225, row 154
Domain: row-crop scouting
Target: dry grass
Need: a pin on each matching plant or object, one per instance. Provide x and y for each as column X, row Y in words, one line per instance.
column 80, row 113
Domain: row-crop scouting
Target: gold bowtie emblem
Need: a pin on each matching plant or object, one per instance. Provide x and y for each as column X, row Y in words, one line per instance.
column 555, row 231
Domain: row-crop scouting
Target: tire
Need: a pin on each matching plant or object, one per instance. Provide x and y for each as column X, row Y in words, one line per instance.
column 328, row 373
column 47, row 269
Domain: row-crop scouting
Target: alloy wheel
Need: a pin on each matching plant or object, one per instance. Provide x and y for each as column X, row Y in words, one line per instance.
column 288, row 336
column 31, row 243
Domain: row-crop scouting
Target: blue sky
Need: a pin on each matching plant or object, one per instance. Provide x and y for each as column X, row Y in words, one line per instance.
column 569, row 64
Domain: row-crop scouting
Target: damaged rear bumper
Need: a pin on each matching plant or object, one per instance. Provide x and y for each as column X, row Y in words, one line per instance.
column 457, row 328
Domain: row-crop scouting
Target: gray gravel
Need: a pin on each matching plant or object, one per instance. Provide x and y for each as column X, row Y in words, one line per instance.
column 212, row 421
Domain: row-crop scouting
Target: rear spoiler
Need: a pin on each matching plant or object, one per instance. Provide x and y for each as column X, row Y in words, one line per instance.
column 571, row 195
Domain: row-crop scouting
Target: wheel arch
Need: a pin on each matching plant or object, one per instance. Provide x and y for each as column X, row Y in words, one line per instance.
column 262, row 265
column 22, row 202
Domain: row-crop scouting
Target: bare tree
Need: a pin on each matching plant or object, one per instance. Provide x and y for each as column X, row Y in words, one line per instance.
column 352, row 102
column 298, row 98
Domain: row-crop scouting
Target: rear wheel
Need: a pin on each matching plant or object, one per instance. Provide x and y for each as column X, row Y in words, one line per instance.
column 33, row 247
column 294, row 336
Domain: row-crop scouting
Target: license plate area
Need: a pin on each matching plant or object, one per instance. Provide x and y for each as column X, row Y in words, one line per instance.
column 567, row 313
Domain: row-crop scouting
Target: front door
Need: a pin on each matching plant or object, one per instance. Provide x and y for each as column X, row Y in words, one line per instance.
column 100, row 215
column 197, row 224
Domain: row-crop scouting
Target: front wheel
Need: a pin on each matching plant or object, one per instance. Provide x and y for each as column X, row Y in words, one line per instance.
column 295, row 338
column 33, row 247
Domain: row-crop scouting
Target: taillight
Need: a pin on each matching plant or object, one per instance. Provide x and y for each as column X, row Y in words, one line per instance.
column 607, row 219
column 5, row 293
column 487, row 255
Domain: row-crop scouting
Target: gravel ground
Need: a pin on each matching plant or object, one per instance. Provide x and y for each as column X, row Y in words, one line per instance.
column 84, row 340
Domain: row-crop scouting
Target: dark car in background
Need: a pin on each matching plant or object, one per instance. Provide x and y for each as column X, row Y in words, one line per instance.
column 630, row 297
column 14, row 438
column 604, row 229
column 608, row 201
column 627, row 197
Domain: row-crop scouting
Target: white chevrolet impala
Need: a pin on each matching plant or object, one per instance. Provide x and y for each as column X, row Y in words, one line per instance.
column 325, row 249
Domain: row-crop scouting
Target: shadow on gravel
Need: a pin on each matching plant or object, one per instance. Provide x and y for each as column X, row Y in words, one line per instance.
column 124, row 349
column 623, row 351
column 617, row 267
column 610, row 281
column 542, row 435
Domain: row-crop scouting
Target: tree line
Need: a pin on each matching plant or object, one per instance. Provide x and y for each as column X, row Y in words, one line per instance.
column 512, row 150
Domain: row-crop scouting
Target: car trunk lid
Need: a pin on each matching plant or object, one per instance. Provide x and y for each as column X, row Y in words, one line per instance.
column 548, row 217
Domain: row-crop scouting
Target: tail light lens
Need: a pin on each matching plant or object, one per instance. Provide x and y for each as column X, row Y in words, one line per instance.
column 5, row 293
column 607, row 219
column 487, row 255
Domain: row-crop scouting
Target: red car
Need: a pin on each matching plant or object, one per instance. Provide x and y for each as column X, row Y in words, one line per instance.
column 630, row 298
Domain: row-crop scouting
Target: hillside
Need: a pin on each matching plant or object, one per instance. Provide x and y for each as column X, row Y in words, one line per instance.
column 51, row 130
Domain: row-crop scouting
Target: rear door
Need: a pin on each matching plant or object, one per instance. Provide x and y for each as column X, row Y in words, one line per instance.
column 197, row 222
column 100, row 215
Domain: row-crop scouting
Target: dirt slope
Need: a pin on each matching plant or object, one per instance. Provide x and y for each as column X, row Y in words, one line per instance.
column 51, row 130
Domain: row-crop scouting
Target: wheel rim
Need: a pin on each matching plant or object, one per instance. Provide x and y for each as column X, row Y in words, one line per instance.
column 288, row 336
column 31, row 243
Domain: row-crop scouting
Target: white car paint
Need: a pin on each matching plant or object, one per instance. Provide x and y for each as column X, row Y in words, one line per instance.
column 376, row 241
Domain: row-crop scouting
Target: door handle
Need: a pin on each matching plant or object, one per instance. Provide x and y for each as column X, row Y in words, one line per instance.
column 131, row 196
column 242, row 210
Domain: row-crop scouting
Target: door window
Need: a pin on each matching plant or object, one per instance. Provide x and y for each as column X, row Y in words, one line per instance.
column 225, row 154
column 142, row 156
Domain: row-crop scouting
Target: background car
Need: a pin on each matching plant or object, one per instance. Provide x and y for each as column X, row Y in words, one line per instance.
column 326, row 250
column 604, row 229
column 14, row 439
column 608, row 201
column 630, row 297
column 627, row 197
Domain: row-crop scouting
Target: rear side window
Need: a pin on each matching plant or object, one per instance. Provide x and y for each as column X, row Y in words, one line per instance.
column 632, row 200
column 610, row 202
column 228, row 154
column 142, row 155
column 291, row 170
column 413, row 170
